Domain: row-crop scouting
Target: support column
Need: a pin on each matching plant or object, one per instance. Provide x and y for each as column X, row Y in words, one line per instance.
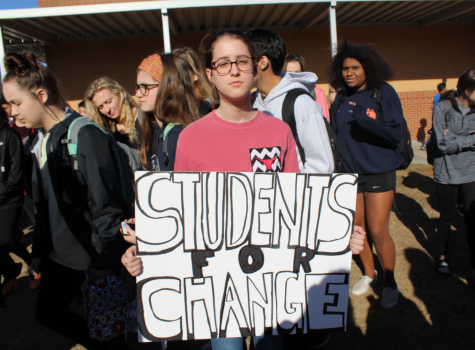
column 2, row 54
column 333, row 34
column 166, row 32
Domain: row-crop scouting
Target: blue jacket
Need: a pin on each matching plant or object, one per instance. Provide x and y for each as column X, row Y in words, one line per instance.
column 161, row 161
column 368, row 145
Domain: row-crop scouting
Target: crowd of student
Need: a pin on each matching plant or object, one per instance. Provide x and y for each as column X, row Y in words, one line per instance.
column 201, row 115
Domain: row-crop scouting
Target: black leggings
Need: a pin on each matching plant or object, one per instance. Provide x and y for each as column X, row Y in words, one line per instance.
column 448, row 197
column 59, row 284
column 10, row 241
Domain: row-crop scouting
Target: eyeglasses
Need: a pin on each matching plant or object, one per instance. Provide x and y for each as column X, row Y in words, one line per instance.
column 223, row 67
column 145, row 88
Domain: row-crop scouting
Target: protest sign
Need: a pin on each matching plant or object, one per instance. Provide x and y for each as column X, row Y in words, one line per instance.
column 238, row 254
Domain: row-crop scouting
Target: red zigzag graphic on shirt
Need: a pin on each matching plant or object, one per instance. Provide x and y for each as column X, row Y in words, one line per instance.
column 266, row 159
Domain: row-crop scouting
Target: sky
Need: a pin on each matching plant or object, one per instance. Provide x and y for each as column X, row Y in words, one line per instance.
column 18, row 4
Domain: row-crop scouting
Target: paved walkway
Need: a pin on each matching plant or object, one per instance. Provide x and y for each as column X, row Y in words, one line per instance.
column 420, row 156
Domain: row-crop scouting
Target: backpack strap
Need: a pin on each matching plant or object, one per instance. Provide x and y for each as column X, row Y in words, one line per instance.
column 288, row 116
column 341, row 99
column 164, row 136
column 448, row 115
column 72, row 138
column 376, row 96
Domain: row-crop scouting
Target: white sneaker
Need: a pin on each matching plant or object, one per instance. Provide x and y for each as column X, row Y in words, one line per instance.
column 364, row 283
column 390, row 297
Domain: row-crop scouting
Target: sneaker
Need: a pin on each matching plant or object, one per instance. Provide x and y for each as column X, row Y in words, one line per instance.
column 9, row 287
column 364, row 283
column 390, row 297
column 319, row 340
column 443, row 267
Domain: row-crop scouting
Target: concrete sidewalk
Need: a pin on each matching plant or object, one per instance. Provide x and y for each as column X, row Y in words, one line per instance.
column 420, row 156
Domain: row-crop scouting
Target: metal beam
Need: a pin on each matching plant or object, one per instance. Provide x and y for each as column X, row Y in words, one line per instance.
column 3, row 72
column 383, row 8
column 278, row 12
column 454, row 11
column 293, row 8
column 333, row 34
column 47, row 28
column 263, row 14
column 305, row 10
column 122, row 18
column 236, row 15
column 166, row 32
column 27, row 30
column 171, row 25
column 136, row 18
column 151, row 5
column 153, row 21
column 320, row 13
column 344, row 16
column 222, row 13
column 195, row 18
column 181, row 19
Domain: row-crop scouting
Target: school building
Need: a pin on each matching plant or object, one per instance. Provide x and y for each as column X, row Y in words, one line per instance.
column 426, row 42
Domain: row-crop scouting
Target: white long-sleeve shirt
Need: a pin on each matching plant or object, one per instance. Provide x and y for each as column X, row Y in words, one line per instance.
column 311, row 128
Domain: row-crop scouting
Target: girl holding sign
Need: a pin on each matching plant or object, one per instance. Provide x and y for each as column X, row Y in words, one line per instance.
column 234, row 138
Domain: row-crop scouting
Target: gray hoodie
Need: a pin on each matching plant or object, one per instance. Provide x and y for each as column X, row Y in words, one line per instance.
column 455, row 163
column 309, row 119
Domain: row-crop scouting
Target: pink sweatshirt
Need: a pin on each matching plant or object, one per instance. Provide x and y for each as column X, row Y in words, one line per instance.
column 321, row 99
column 264, row 144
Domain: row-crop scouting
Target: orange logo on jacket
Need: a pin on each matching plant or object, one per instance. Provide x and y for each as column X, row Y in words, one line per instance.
column 371, row 113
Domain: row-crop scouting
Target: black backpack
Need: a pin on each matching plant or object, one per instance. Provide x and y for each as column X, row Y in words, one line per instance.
column 405, row 144
column 431, row 147
column 288, row 116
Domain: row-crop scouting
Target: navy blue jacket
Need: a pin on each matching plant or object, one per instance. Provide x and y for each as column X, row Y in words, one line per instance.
column 368, row 145
column 161, row 161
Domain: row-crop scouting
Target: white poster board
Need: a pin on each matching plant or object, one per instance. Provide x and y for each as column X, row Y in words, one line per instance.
column 238, row 254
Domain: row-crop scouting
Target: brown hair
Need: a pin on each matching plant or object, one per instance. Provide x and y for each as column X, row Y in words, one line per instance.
column 206, row 49
column 294, row 57
column 202, row 87
column 31, row 75
column 175, row 102
column 127, row 103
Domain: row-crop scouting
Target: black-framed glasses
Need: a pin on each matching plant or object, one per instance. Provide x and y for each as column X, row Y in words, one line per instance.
column 145, row 88
column 223, row 67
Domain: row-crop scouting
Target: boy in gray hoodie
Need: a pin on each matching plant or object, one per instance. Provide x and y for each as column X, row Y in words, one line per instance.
column 272, row 89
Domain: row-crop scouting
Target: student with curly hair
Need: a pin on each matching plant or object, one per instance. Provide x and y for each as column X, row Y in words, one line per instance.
column 454, row 165
column 370, row 149
column 113, row 108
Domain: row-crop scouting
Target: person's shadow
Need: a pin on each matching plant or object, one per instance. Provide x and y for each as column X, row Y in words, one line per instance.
column 447, row 302
column 421, row 132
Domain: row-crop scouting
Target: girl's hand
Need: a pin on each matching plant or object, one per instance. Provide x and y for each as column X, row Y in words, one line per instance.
column 129, row 236
column 132, row 262
column 357, row 240
column 445, row 131
column 352, row 103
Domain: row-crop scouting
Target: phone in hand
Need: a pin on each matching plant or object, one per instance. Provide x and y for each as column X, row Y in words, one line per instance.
column 124, row 227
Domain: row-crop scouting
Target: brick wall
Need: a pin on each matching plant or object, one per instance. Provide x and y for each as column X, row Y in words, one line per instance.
column 420, row 58
column 417, row 107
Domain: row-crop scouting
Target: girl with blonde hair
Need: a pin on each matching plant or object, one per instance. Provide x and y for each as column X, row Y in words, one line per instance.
column 113, row 108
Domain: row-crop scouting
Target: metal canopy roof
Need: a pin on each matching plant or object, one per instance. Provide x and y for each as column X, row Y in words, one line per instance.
column 58, row 24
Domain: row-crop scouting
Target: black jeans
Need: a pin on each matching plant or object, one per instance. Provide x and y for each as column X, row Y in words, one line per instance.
column 448, row 197
column 59, row 284
column 10, row 241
